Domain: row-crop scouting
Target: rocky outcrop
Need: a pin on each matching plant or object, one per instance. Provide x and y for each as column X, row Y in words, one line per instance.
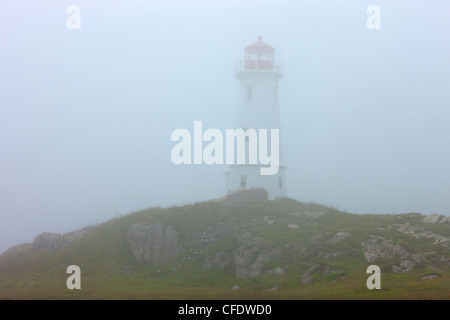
column 49, row 240
column 247, row 260
column 212, row 234
column 420, row 232
column 379, row 247
column 436, row 218
column 320, row 271
column 153, row 244
column 251, row 256
column 245, row 196
column 338, row 237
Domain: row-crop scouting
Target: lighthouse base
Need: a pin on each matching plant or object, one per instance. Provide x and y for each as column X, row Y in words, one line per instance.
column 249, row 176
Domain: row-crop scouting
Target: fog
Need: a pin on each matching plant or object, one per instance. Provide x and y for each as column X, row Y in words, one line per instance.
column 86, row 115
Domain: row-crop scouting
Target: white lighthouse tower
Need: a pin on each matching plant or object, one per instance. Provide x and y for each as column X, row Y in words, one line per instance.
column 258, row 77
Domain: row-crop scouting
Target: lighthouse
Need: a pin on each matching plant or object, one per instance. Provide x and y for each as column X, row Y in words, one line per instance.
column 258, row 76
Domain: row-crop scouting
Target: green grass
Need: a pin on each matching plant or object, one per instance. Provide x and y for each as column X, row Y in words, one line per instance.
column 105, row 258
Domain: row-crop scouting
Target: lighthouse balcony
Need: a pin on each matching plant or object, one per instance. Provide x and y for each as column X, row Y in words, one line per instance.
column 259, row 65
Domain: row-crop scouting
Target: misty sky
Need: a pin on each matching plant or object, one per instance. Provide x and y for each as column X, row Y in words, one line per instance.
column 86, row 115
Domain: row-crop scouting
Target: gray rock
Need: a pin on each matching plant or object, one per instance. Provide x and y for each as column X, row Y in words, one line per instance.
column 249, row 258
column 406, row 266
column 278, row 271
column 316, row 237
column 245, row 196
column 308, row 214
column 432, row 218
column 49, row 240
column 328, row 255
column 436, row 218
column 380, row 247
column 307, row 277
column 445, row 219
column 70, row 237
column 430, row 276
column 338, row 237
column 420, row 232
column 212, row 234
column 153, row 244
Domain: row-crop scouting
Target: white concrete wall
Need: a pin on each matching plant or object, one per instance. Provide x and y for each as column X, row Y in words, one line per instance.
column 256, row 180
column 261, row 111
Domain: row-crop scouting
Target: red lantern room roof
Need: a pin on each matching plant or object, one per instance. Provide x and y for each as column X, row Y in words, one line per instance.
column 259, row 46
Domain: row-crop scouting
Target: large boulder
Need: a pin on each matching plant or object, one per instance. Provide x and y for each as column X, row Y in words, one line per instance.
column 153, row 244
column 49, row 240
column 245, row 261
column 250, row 257
column 436, row 218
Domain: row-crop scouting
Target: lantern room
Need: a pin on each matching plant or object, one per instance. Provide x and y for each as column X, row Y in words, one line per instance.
column 259, row 56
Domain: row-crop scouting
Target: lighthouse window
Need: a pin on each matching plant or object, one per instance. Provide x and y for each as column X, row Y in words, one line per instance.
column 249, row 93
column 243, row 181
column 280, row 181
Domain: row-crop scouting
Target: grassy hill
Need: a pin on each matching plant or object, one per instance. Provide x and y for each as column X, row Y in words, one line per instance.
column 311, row 252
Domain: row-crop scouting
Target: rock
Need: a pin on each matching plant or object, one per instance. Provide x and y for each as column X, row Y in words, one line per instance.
column 445, row 220
column 212, row 234
column 436, row 218
column 235, row 288
column 249, row 258
column 49, row 240
column 278, row 271
column 432, row 218
column 338, row 237
column 250, row 195
column 379, row 247
column 292, row 226
column 307, row 277
column 153, row 244
column 275, row 271
column 328, row 255
column 420, row 232
column 406, row 266
column 308, row 214
column 321, row 271
column 316, row 237
column 70, row 237
column 430, row 276
column 445, row 260
column 269, row 220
